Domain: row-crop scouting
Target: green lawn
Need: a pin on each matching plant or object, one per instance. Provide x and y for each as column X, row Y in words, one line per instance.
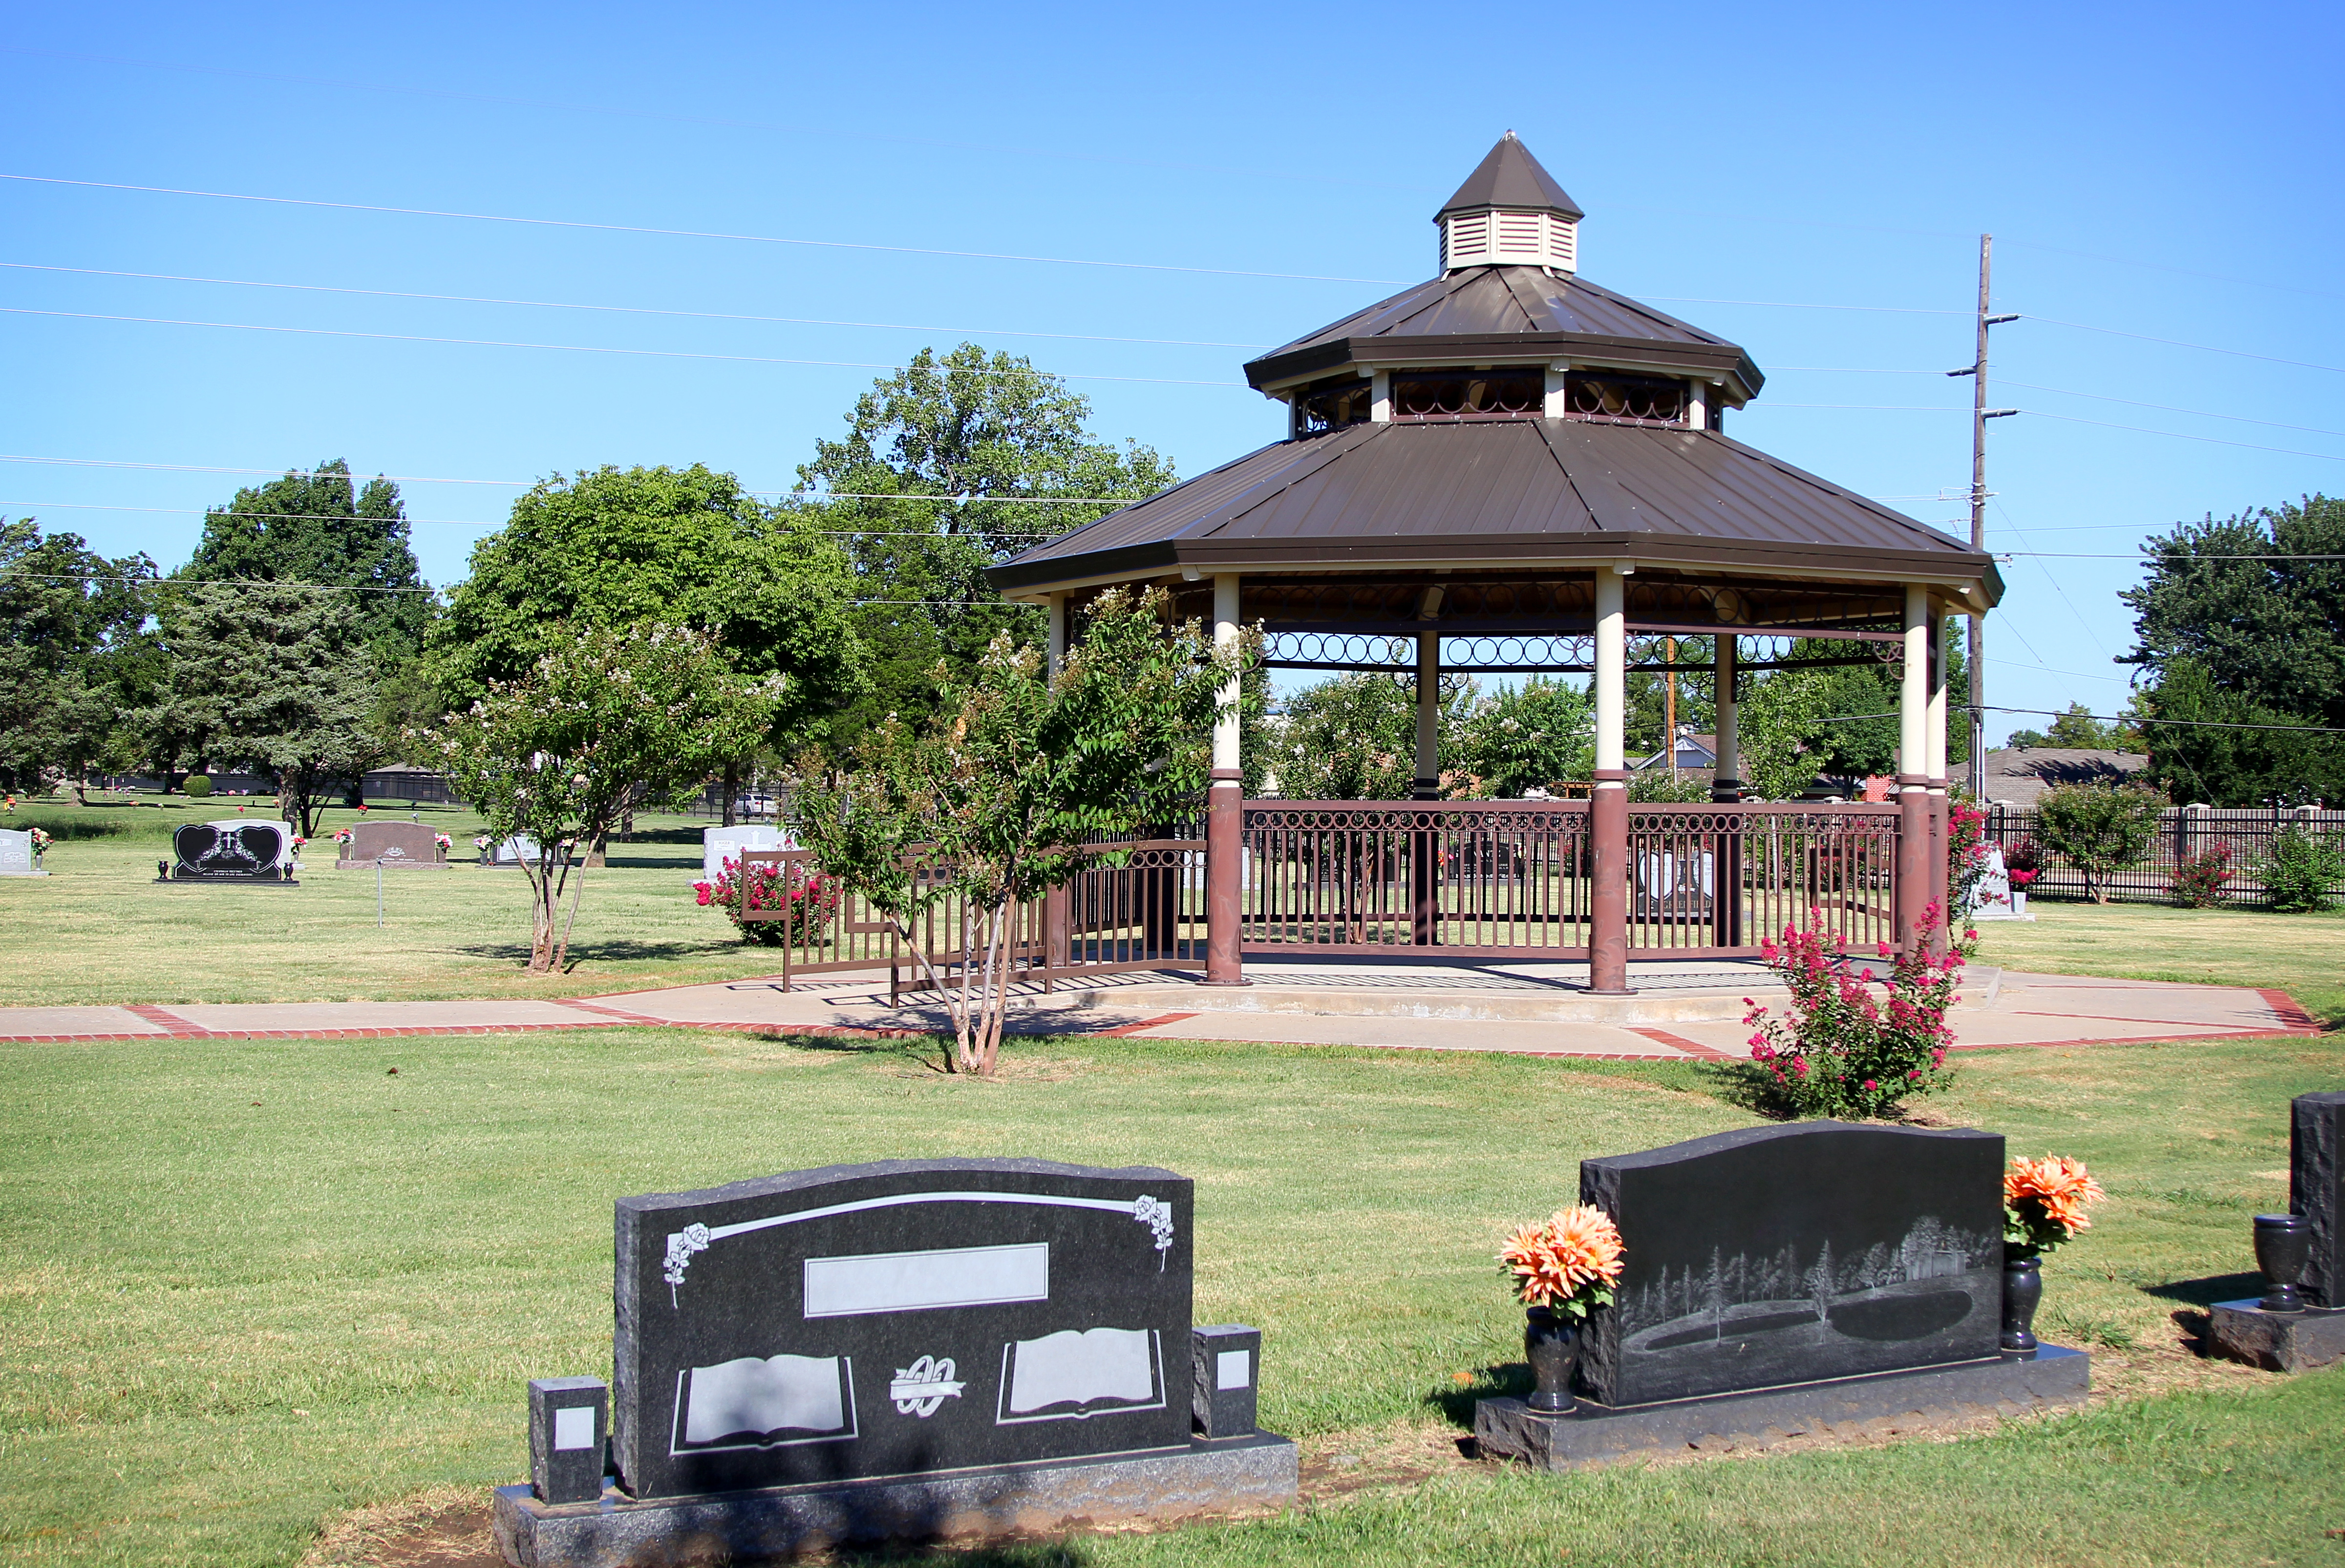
column 2303, row 954
column 245, row 1286
column 98, row 928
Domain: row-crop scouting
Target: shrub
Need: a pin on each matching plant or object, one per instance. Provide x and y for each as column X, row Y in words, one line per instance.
column 809, row 897
column 1659, row 784
column 2299, row 866
column 195, row 787
column 2198, row 879
column 2101, row 828
column 2023, row 862
column 1844, row 1051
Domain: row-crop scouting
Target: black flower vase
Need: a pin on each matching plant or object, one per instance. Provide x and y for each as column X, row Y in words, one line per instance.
column 2283, row 1243
column 2023, row 1292
column 1551, row 1345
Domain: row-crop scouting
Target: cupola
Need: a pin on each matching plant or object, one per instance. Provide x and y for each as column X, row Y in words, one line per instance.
column 1509, row 212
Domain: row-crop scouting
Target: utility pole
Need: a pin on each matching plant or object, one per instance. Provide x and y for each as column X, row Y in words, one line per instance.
column 1980, row 415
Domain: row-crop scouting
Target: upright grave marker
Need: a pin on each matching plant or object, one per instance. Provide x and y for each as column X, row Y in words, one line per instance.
column 912, row 1347
column 373, row 845
column 237, row 851
column 2314, row 1336
column 19, row 854
column 719, row 844
column 1784, row 1278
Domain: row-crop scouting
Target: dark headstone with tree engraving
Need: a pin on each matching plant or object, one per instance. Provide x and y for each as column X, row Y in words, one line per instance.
column 2317, row 1190
column 903, row 1317
column 1792, row 1254
column 235, row 851
column 373, row 843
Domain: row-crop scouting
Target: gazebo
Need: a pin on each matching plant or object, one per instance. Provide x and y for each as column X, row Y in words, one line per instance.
column 1510, row 469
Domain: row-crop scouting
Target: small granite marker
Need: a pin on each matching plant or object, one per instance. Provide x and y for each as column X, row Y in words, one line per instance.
column 908, row 1349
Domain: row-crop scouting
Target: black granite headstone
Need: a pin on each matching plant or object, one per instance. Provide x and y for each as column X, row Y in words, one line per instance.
column 229, row 852
column 1791, row 1254
column 2316, row 1141
column 568, row 1425
column 911, row 1316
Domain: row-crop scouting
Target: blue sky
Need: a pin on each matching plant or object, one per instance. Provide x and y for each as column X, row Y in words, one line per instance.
column 2164, row 172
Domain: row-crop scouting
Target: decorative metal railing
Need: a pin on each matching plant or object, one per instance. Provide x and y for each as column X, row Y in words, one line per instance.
column 1353, row 875
column 1716, row 880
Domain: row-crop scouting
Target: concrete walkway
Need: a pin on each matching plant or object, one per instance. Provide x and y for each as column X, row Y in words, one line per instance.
column 1691, row 1008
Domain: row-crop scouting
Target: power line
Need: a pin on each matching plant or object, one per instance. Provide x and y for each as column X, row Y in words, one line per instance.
column 275, row 472
column 689, row 233
column 631, row 309
column 2170, row 409
column 2181, row 436
column 459, row 521
column 366, row 588
column 2145, row 721
column 2194, row 555
column 2177, row 343
column 560, row 348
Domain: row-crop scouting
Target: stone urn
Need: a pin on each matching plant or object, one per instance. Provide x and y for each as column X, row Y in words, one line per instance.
column 1551, row 1345
column 2023, row 1292
column 2283, row 1244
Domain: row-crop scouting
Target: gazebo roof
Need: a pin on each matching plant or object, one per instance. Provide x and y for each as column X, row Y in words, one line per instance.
column 1482, row 313
column 1509, row 177
column 1512, row 494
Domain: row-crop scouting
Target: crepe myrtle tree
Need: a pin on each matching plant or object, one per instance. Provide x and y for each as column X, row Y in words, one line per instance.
column 609, row 721
column 1010, row 786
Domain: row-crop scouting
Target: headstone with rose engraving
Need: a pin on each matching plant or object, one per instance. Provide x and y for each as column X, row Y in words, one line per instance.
column 905, row 1316
column 391, row 844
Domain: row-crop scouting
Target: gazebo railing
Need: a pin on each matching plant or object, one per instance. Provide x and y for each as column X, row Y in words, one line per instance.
column 1515, row 878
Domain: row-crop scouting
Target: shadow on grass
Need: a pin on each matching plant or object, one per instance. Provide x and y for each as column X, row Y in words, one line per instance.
column 2206, row 1292
column 619, row 952
column 1456, row 1404
column 1036, row 1554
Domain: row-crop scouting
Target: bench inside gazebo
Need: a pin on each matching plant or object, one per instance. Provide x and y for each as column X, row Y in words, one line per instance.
column 1509, row 469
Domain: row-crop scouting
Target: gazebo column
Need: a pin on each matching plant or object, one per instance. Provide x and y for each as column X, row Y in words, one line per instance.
column 1425, row 844
column 1726, row 789
column 1913, row 763
column 1608, row 813
column 1934, row 764
column 1057, row 926
column 1225, row 810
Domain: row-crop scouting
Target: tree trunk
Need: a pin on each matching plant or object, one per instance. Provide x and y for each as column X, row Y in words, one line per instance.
column 541, row 888
column 732, row 784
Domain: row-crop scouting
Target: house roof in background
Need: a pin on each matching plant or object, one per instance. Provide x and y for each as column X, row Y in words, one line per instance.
column 2021, row 775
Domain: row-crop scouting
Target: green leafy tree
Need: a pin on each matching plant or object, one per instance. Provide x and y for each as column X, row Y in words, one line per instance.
column 2077, row 730
column 2101, row 828
column 1355, row 738
column 2229, row 634
column 279, row 675
column 612, row 547
column 603, row 722
column 2302, row 867
column 966, row 452
column 70, row 644
column 1528, row 736
column 1010, row 789
column 319, row 528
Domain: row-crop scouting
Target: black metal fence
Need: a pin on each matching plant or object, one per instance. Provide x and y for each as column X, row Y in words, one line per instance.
column 2183, row 834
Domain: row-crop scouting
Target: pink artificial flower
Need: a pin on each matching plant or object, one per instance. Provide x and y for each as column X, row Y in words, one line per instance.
column 1871, row 1085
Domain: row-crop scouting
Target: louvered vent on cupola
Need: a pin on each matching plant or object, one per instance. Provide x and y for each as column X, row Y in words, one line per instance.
column 1494, row 236
column 1511, row 212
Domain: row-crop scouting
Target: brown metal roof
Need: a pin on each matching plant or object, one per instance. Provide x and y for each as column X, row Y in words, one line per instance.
column 1559, row 491
column 1483, row 311
column 1509, row 177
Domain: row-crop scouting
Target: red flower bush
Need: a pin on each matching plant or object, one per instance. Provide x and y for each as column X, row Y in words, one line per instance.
column 807, row 899
column 1844, row 1051
column 2200, row 879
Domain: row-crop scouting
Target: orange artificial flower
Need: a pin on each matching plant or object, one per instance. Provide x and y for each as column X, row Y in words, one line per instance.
column 2056, row 1187
column 1578, row 1249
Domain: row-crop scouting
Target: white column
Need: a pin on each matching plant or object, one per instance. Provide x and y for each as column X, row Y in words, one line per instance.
column 1559, row 400
column 1058, row 633
column 1914, row 690
column 1428, row 715
column 1226, row 633
column 1380, row 397
column 1697, row 405
column 1611, row 667
column 1933, row 745
column 1729, row 750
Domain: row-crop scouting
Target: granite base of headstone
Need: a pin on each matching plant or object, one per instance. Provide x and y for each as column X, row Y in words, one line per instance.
column 18, row 855
column 2277, row 1341
column 1822, row 1275
column 389, row 846
column 239, row 852
column 913, row 1350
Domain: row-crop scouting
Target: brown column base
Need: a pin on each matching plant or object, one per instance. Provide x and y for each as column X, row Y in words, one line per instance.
column 1608, row 910
column 1225, row 868
column 1941, row 891
column 1913, row 855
